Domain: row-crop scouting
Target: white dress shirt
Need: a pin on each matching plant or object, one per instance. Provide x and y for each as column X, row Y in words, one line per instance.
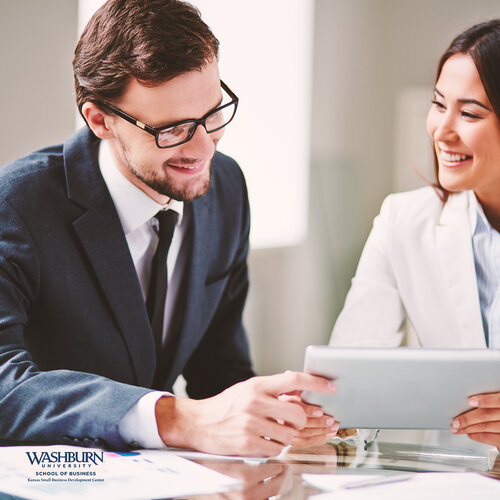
column 136, row 211
column 486, row 244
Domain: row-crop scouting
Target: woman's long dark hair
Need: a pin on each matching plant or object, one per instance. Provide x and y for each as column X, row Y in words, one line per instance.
column 482, row 43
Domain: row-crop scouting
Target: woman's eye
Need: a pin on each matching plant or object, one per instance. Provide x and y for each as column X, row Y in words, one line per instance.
column 472, row 116
column 438, row 104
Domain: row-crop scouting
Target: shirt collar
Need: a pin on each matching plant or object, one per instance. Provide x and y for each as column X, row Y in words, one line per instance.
column 133, row 205
column 478, row 221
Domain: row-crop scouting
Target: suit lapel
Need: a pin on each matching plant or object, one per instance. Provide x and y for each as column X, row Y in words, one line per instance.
column 103, row 240
column 101, row 235
column 454, row 241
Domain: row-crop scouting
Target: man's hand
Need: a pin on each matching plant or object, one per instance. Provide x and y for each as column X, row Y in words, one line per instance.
column 247, row 419
column 483, row 423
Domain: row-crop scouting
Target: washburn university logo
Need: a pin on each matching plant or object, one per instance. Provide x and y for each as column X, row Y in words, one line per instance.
column 71, row 458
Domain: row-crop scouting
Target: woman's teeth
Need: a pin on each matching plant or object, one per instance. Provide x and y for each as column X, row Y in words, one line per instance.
column 453, row 157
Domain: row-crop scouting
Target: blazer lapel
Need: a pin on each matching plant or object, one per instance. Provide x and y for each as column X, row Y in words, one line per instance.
column 454, row 241
column 101, row 235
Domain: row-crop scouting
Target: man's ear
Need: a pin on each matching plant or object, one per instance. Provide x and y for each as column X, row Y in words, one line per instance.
column 97, row 120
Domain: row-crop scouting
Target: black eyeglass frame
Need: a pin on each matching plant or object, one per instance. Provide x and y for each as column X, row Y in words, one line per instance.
column 195, row 123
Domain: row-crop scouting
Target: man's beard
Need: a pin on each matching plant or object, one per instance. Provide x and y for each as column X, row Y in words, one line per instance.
column 166, row 186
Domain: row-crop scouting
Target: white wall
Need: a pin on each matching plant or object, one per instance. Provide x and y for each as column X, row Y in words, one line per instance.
column 267, row 61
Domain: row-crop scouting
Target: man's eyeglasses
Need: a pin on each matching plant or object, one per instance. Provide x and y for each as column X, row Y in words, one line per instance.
column 180, row 132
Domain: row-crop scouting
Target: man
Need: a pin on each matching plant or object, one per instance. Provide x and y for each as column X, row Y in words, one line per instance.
column 91, row 318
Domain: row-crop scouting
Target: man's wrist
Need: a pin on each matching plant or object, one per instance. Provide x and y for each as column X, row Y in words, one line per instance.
column 174, row 417
column 138, row 426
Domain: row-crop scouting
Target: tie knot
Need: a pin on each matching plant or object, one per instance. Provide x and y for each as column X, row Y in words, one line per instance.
column 167, row 219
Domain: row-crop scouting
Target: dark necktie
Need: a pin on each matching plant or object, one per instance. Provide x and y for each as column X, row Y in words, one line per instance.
column 157, row 293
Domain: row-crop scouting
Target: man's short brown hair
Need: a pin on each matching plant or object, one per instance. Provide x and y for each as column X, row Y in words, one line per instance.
column 150, row 40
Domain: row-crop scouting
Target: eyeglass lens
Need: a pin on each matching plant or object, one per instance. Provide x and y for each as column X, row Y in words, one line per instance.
column 213, row 122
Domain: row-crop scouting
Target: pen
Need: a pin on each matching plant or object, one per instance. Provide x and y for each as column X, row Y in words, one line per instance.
column 363, row 483
column 370, row 438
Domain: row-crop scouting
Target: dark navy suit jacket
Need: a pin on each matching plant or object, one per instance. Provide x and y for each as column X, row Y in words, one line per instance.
column 76, row 347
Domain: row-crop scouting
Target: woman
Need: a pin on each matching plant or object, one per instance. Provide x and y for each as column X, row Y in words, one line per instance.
column 433, row 257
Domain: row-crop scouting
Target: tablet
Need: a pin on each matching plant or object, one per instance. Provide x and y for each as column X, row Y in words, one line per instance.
column 402, row 388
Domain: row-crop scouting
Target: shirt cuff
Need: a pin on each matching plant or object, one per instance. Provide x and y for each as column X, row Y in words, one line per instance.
column 138, row 426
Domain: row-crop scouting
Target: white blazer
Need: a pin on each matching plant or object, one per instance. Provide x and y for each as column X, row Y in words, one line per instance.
column 417, row 266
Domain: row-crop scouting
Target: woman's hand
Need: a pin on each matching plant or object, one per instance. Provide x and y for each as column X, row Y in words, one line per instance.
column 319, row 429
column 483, row 423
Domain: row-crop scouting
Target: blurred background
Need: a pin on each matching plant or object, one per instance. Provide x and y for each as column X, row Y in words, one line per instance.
column 339, row 90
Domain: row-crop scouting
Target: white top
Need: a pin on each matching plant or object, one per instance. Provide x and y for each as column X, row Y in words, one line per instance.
column 136, row 211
